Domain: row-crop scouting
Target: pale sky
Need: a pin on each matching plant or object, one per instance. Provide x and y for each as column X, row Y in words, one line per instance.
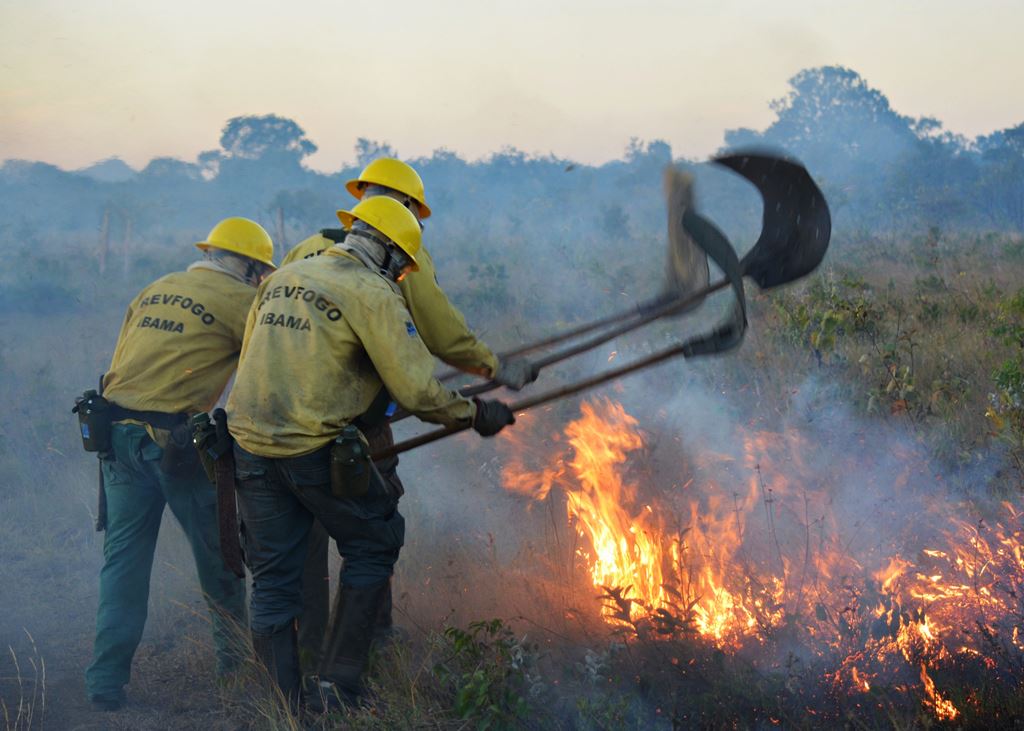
column 88, row 79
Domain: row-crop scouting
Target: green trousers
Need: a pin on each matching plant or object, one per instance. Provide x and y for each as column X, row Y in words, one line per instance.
column 137, row 490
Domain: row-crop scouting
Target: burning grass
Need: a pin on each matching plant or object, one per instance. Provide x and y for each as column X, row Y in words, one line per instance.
column 770, row 574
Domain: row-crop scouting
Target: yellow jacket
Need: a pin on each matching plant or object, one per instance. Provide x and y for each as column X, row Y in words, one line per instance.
column 441, row 326
column 179, row 342
column 322, row 337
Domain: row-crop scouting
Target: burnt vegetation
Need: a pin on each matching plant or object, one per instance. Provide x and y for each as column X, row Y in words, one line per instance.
column 835, row 508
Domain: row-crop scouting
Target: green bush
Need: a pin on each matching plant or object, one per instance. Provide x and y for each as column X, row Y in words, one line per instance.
column 486, row 669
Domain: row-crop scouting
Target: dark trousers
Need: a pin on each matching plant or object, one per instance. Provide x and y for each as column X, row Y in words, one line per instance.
column 316, row 596
column 278, row 500
column 137, row 492
column 316, row 579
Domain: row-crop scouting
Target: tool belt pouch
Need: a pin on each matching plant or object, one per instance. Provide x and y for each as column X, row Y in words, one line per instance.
column 93, row 421
column 204, row 437
column 180, row 457
column 350, row 464
column 212, row 440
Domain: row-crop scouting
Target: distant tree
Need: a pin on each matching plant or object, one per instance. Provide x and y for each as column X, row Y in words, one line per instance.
column 847, row 132
column 443, row 156
column 444, row 173
column 644, row 164
column 830, row 110
column 209, row 163
column 307, row 209
column 255, row 137
column 832, row 117
column 932, row 185
column 169, row 168
column 369, row 150
column 259, row 155
column 1001, row 190
column 657, row 151
column 110, row 170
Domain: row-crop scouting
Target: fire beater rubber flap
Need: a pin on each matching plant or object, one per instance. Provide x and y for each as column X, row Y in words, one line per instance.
column 728, row 333
column 796, row 225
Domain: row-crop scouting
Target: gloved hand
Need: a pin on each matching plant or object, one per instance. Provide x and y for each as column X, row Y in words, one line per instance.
column 516, row 373
column 491, row 417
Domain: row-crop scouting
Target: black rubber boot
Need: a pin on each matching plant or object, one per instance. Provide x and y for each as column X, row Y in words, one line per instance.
column 347, row 646
column 279, row 654
column 384, row 623
column 385, row 633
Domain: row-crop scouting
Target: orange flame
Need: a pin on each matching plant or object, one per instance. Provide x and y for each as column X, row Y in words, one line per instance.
column 944, row 709
column 769, row 555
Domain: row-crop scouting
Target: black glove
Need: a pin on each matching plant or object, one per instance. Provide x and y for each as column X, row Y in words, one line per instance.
column 516, row 373
column 491, row 417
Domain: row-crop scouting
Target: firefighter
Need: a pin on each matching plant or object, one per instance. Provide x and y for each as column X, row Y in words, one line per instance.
column 441, row 326
column 344, row 312
column 178, row 347
column 443, row 330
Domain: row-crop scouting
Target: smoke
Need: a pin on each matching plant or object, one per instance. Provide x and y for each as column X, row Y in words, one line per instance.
column 524, row 247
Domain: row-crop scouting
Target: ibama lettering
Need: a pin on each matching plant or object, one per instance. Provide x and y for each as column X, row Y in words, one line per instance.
column 158, row 323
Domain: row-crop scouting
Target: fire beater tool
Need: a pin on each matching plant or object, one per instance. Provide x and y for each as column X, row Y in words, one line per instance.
column 687, row 272
column 794, row 238
column 687, row 275
column 795, row 231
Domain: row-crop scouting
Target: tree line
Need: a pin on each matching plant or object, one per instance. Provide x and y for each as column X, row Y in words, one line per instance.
column 884, row 173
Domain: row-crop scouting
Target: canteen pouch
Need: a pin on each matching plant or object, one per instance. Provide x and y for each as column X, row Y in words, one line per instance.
column 93, row 421
column 350, row 464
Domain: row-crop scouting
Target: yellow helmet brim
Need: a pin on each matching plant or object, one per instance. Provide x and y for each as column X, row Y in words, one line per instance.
column 354, row 188
column 347, row 218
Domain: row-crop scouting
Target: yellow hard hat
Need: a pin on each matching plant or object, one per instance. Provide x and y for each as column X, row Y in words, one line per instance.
column 391, row 173
column 241, row 236
column 392, row 219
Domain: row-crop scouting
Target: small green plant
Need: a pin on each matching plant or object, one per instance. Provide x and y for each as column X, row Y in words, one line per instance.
column 831, row 309
column 1006, row 409
column 1014, row 250
column 1010, row 327
column 604, row 711
column 486, row 669
column 1006, row 405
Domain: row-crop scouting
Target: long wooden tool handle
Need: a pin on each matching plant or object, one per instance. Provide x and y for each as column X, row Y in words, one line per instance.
column 574, row 332
column 540, row 399
column 664, row 310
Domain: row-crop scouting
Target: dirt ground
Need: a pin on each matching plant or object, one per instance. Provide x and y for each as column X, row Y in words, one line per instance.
column 47, row 635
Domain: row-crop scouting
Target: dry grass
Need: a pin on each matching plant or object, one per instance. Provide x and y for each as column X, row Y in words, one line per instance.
column 474, row 551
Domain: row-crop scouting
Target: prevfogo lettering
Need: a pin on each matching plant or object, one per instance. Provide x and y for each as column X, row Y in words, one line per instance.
column 185, row 303
column 299, row 293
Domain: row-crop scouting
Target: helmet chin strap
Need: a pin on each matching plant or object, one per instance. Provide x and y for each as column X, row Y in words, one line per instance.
column 395, row 262
column 378, row 252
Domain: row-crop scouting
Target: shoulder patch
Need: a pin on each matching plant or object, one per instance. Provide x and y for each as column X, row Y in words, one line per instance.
column 410, row 329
